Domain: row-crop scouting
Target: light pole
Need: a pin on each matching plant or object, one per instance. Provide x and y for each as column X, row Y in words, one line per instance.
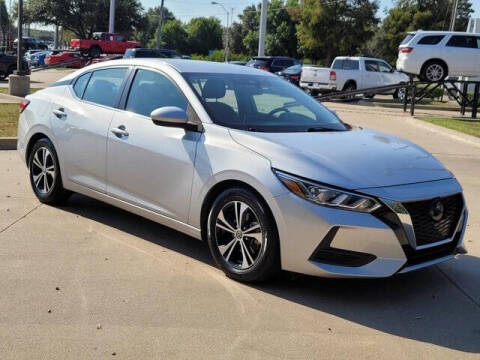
column 111, row 20
column 159, row 29
column 454, row 15
column 226, row 29
column 263, row 28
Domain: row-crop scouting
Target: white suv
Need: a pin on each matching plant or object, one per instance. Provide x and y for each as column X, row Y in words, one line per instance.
column 434, row 55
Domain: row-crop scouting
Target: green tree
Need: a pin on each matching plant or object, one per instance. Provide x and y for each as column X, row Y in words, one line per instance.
column 83, row 17
column 174, row 36
column 4, row 18
column 147, row 28
column 331, row 28
column 204, row 34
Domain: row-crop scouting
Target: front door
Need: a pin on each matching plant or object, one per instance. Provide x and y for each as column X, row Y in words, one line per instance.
column 150, row 165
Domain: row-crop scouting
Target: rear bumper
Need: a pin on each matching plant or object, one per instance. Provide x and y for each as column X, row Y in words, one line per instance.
column 321, row 241
column 318, row 86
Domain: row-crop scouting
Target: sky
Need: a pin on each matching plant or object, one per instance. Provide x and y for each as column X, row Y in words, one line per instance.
column 187, row 9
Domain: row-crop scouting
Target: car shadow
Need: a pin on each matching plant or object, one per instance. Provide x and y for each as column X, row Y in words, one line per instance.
column 423, row 306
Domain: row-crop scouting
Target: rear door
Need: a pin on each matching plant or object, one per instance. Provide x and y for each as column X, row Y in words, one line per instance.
column 371, row 77
column 462, row 55
column 81, row 120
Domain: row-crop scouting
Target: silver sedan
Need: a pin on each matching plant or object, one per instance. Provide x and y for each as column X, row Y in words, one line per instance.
column 245, row 161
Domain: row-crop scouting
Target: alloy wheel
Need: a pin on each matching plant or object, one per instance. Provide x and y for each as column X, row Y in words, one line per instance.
column 434, row 72
column 43, row 170
column 239, row 235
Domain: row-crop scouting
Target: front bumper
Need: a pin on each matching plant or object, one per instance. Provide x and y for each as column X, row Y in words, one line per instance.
column 322, row 241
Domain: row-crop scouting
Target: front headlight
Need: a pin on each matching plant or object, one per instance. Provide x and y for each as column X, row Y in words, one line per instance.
column 326, row 196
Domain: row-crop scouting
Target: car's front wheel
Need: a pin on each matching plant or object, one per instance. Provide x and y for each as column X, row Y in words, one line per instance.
column 242, row 236
column 45, row 176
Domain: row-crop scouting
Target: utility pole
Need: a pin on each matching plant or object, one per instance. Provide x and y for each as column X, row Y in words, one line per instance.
column 227, row 28
column 454, row 15
column 20, row 39
column 55, row 40
column 159, row 29
column 263, row 28
column 111, row 20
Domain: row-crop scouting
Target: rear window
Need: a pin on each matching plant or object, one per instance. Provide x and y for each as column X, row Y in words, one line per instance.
column 104, row 86
column 430, row 40
column 345, row 64
column 259, row 62
column 407, row 39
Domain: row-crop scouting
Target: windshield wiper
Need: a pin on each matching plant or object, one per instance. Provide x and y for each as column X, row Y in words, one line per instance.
column 320, row 129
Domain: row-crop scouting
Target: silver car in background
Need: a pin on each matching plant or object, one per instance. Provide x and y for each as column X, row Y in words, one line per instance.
column 249, row 163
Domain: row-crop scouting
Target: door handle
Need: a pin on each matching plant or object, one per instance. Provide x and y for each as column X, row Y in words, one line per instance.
column 59, row 113
column 120, row 131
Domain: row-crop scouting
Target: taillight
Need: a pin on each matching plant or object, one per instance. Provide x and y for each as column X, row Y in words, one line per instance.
column 405, row 50
column 266, row 68
column 333, row 76
column 295, row 77
column 23, row 105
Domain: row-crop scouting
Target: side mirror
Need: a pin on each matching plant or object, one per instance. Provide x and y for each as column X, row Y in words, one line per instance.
column 173, row 116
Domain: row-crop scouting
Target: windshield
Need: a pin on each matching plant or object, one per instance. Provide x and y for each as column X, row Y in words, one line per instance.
column 260, row 103
column 293, row 69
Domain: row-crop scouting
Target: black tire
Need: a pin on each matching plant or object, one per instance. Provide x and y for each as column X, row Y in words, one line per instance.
column 266, row 253
column 3, row 76
column 94, row 52
column 434, row 71
column 369, row 96
column 399, row 94
column 51, row 192
column 311, row 92
column 349, row 86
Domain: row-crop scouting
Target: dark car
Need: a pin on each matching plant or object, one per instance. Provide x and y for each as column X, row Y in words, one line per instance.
column 8, row 64
column 292, row 73
column 151, row 53
column 29, row 43
column 272, row 63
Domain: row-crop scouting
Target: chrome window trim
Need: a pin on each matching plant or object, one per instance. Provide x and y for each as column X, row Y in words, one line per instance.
column 407, row 224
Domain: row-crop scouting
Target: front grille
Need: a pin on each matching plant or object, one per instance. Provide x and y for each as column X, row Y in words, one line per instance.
column 427, row 229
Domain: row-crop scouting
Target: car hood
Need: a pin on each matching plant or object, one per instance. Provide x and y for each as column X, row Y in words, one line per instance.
column 355, row 159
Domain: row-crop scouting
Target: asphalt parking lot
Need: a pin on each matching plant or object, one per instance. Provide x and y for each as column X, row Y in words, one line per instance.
column 91, row 281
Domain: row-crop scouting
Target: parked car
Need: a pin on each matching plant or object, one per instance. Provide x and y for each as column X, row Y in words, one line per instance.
column 435, row 55
column 272, row 63
column 28, row 54
column 265, row 174
column 292, row 74
column 103, row 43
column 8, row 64
column 352, row 73
column 75, row 60
column 38, row 59
column 29, row 43
column 237, row 62
column 151, row 53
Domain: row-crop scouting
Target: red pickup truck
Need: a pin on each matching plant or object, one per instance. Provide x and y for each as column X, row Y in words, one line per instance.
column 103, row 43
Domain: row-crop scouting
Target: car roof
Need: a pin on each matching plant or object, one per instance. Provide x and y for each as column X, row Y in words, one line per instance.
column 179, row 65
column 272, row 57
column 439, row 32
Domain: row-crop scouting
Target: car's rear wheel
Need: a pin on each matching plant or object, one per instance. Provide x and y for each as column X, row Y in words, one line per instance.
column 45, row 176
column 434, row 71
column 399, row 94
column 349, row 86
column 242, row 236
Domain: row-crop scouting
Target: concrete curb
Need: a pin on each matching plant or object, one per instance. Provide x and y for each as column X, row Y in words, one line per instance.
column 8, row 143
column 453, row 134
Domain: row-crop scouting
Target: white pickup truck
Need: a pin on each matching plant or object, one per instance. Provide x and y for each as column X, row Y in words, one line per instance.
column 352, row 73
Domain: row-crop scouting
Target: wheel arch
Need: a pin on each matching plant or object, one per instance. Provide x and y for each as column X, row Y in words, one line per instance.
column 348, row 82
column 216, row 190
column 33, row 139
column 444, row 63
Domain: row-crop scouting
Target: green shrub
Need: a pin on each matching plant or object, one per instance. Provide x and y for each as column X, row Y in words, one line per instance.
column 219, row 56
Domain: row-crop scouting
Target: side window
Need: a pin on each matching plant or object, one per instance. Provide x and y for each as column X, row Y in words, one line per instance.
column 81, row 84
column 371, row 65
column 337, row 64
column 383, row 67
column 457, row 41
column 350, row 65
column 430, row 40
column 104, row 86
column 472, row 42
column 151, row 90
column 478, row 42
